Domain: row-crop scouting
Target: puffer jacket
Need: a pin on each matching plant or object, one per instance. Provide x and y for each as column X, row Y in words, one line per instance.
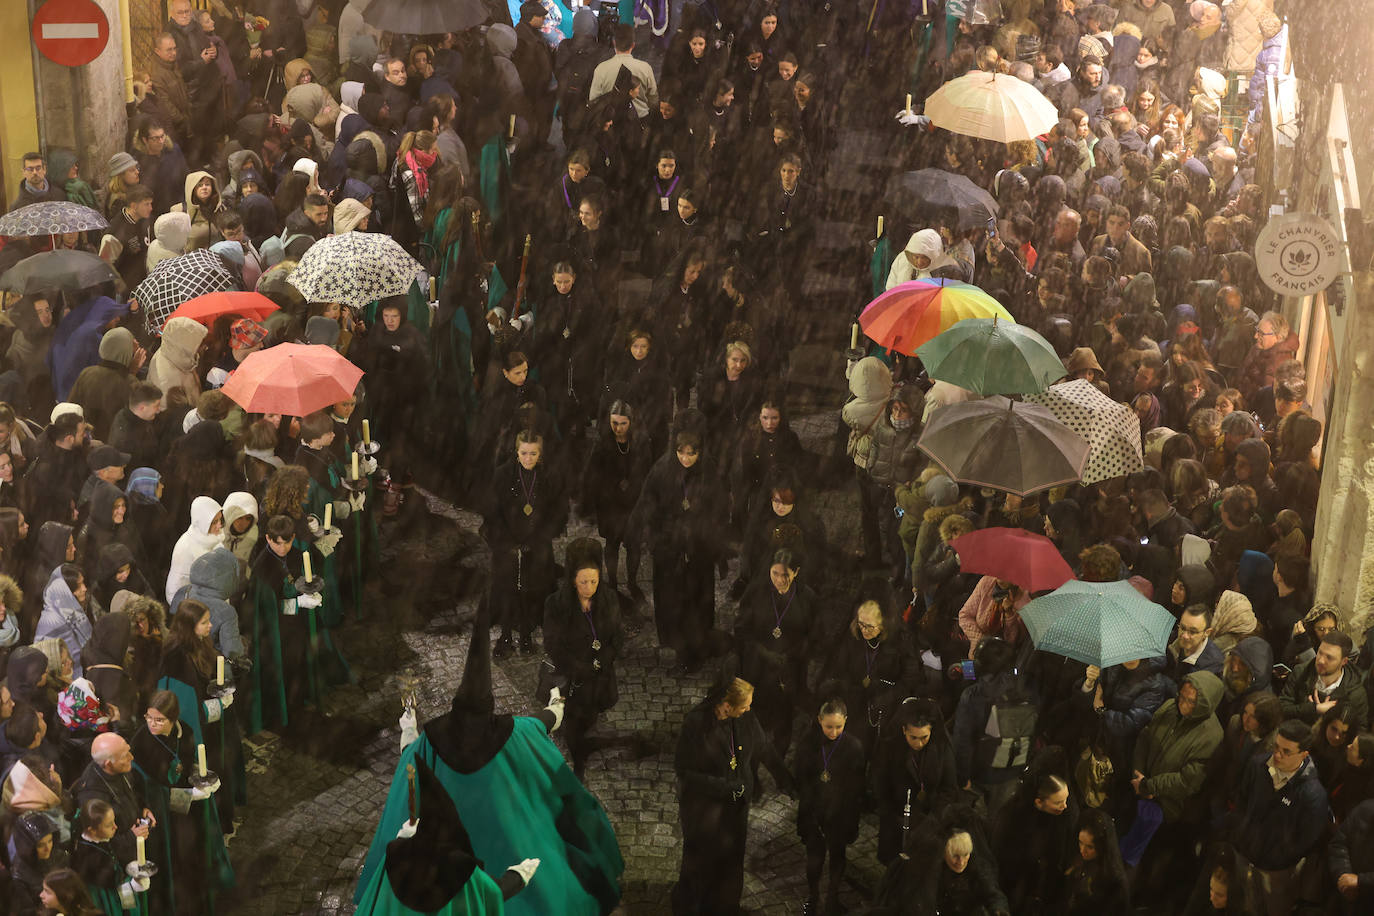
column 174, row 363
column 870, row 385
column 895, row 456
column 214, row 579
column 1173, row 751
column 1243, row 24
column 1151, row 22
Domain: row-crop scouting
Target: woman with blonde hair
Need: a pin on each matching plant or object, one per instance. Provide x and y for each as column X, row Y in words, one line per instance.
column 415, row 159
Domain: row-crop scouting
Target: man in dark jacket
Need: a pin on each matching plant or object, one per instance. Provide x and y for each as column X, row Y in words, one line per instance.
column 1319, row 684
column 1166, row 526
column 534, row 61
column 1280, row 816
column 35, row 188
column 1193, row 650
column 136, row 430
column 1351, row 859
column 1084, row 91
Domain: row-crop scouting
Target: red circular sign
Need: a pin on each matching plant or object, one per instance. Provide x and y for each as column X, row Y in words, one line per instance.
column 70, row 32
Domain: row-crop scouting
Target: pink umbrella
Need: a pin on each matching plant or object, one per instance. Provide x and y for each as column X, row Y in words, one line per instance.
column 1013, row 555
column 292, row 380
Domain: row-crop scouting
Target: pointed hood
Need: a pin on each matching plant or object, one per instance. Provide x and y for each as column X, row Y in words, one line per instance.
column 428, row 870
column 474, row 690
column 471, row 734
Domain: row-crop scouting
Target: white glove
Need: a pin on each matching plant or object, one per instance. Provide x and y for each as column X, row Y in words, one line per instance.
column 213, row 710
column 910, row 119
column 313, row 524
column 555, row 706
column 369, row 466
column 314, row 600
column 516, row 324
column 328, row 542
column 407, row 830
column 359, row 499
column 409, row 728
column 526, row 869
column 141, row 884
column 198, row 794
column 227, row 698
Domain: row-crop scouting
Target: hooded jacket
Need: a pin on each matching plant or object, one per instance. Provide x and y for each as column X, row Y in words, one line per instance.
column 102, row 390
column 870, row 385
column 925, row 242
column 171, row 232
column 63, row 618
column 1243, row 32
column 28, row 350
column 501, row 42
column 895, row 455
column 202, row 233
column 1173, row 750
column 236, row 506
column 194, row 541
column 174, row 364
column 214, row 579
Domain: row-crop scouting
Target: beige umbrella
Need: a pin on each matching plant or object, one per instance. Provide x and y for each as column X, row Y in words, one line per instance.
column 991, row 106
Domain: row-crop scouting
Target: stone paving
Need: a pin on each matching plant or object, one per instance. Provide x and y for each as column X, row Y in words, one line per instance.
column 317, row 788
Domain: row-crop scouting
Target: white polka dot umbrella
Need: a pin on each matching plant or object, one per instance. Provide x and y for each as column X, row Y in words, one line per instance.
column 1098, row 623
column 1111, row 428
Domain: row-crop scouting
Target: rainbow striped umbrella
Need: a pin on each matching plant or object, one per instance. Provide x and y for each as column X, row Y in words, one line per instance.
column 912, row 313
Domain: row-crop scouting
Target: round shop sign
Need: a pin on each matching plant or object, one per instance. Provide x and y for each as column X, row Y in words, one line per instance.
column 1297, row 254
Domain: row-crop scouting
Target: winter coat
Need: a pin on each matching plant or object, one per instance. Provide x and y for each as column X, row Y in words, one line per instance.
column 102, row 390
column 1260, row 366
column 236, row 506
column 1151, row 22
column 1351, row 851
column 214, row 579
column 174, row 364
column 1131, row 700
column 1276, row 828
column 1173, row 751
column 870, row 385
column 1243, row 30
column 203, row 232
column 171, row 231
column 76, row 344
column 1297, row 694
column 194, row 541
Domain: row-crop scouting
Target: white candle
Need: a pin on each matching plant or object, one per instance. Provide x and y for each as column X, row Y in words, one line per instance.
column 355, row 465
column 328, row 516
column 219, row 669
column 200, row 759
column 512, row 125
column 908, row 102
column 142, row 854
column 305, row 561
column 854, row 336
column 880, row 227
column 367, row 436
column 433, row 289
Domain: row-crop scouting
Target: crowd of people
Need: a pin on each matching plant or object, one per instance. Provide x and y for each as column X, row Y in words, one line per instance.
column 163, row 552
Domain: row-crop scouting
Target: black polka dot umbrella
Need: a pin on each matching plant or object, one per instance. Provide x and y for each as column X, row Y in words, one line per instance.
column 355, row 269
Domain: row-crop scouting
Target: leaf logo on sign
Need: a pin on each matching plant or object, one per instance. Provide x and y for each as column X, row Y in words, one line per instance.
column 1299, row 258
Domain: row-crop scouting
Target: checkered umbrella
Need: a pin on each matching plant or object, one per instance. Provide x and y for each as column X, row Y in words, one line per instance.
column 355, row 268
column 50, row 217
column 1111, row 428
column 1098, row 623
column 178, row 280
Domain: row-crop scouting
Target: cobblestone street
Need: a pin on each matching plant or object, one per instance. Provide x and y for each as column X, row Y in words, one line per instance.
column 316, row 790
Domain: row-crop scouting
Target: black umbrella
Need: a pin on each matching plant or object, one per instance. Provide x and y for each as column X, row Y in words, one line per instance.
column 64, row 269
column 425, row 17
column 937, row 195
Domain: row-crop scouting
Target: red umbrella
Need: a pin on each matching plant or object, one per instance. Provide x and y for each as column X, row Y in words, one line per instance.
column 292, row 380
column 210, row 306
column 1013, row 555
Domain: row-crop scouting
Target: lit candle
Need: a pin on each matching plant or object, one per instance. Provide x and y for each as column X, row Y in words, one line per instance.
column 367, row 436
column 200, row 759
column 142, row 854
column 305, row 560
column 880, row 227
column 355, row 465
column 854, row 336
column 908, row 102
column 219, row 669
column 433, row 288
column 328, row 516
column 512, row 125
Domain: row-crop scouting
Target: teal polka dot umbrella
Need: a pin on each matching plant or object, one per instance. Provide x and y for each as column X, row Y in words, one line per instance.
column 1098, row 623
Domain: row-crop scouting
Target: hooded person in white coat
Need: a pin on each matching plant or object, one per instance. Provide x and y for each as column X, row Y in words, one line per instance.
column 203, row 536
column 925, row 251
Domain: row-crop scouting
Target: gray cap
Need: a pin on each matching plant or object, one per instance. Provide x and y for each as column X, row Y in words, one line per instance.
column 941, row 491
column 119, row 164
column 322, row 330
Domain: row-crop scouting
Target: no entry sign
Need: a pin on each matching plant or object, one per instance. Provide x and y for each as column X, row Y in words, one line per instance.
column 70, row 32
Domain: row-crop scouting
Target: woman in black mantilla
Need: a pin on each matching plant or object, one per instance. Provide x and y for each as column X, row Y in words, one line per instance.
column 583, row 637
column 729, row 395
column 611, row 483
column 683, row 506
column 568, row 346
column 638, row 374
column 719, row 748
column 876, row 667
column 775, row 636
column 500, row 398
column 526, row 510
column 830, row 780
column 36, row 855
column 781, row 521
column 913, row 764
column 767, row 447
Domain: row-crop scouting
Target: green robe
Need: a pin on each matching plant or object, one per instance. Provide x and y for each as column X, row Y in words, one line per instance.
column 480, row 896
column 524, row 803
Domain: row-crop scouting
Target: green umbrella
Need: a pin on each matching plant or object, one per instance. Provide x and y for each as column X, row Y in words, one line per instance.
column 1098, row 623
column 992, row 356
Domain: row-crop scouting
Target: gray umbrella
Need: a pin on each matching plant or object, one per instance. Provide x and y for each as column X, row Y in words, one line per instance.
column 63, row 269
column 425, row 17
column 936, row 195
column 1002, row 444
column 50, row 217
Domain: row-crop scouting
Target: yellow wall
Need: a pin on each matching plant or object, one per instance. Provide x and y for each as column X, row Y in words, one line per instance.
column 18, row 110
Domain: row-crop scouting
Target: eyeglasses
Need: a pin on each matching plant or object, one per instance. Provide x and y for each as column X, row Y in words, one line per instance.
column 1191, row 631
column 1263, row 334
column 1281, row 751
column 869, row 627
